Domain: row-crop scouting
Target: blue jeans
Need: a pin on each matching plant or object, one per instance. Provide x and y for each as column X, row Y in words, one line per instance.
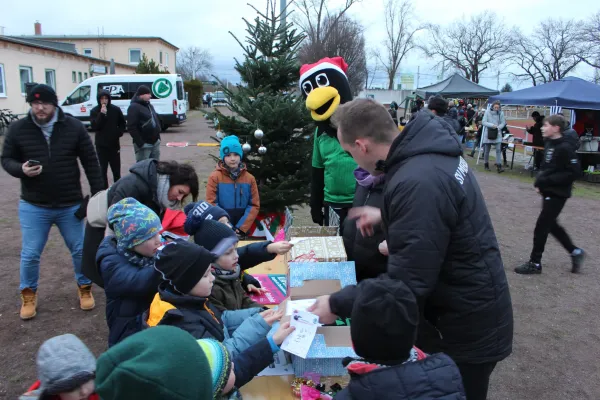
column 35, row 226
column 147, row 151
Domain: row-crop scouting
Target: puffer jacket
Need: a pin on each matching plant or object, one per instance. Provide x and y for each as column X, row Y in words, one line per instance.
column 129, row 290
column 141, row 184
column 435, row 377
column 109, row 127
column 142, row 122
column 442, row 244
column 560, row 169
column 239, row 198
column 59, row 184
column 238, row 329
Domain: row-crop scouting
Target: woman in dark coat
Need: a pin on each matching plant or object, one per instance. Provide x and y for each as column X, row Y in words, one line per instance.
column 538, row 139
column 156, row 184
column 364, row 251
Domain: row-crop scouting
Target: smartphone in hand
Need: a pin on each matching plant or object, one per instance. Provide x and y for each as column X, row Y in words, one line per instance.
column 33, row 163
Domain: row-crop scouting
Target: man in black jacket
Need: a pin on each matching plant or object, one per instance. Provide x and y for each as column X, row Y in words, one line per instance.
column 109, row 124
column 42, row 151
column 561, row 168
column 440, row 239
column 144, row 125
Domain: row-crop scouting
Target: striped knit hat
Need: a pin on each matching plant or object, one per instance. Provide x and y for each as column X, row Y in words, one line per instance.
column 220, row 364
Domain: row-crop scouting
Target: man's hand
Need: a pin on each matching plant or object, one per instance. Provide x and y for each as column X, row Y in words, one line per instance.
column 284, row 331
column 279, row 247
column 31, row 171
column 271, row 316
column 256, row 290
column 322, row 309
column 383, row 249
column 103, row 109
column 366, row 218
column 537, row 189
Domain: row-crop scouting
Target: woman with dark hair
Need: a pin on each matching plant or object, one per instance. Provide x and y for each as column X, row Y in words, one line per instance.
column 156, row 184
column 538, row 140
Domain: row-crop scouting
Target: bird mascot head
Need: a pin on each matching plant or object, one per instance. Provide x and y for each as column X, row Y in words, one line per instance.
column 325, row 86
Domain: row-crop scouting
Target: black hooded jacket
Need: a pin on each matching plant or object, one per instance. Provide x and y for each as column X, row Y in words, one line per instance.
column 442, row 244
column 139, row 122
column 536, row 132
column 141, row 184
column 560, row 169
column 109, row 127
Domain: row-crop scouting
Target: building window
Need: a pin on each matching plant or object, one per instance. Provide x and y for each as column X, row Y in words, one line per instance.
column 2, row 82
column 87, row 52
column 166, row 59
column 26, row 74
column 160, row 57
column 80, row 77
column 135, row 56
column 51, row 78
column 74, row 77
column 85, row 75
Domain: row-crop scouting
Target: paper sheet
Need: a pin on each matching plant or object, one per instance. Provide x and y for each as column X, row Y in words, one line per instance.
column 300, row 305
column 297, row 240
column 300, row 340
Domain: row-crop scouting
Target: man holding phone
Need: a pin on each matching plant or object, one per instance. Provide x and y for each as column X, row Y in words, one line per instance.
column 42, row 150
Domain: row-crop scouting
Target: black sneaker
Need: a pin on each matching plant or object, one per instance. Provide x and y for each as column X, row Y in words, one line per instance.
column 577, row 261
column 529, row 268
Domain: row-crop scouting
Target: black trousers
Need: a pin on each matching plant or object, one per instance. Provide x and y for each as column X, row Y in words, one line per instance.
column 91, row 241
column 112, row 157
column 547, row 224
column 342, row 213
column 476, row 379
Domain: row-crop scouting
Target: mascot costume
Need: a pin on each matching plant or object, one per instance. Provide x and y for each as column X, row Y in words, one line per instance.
column 325, row 86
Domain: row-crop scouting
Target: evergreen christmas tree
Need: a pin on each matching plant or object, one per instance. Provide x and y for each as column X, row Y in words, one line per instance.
column 268, row 116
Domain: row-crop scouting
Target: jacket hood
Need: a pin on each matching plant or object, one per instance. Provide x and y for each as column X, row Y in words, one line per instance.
column 107, row 248
column 104, row 93
column 426, row 134
column 146, row 171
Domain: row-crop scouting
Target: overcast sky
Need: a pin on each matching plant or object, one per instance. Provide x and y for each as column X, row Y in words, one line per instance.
column 206, row 24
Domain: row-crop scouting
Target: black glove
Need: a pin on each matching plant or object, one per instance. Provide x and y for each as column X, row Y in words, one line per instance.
column 81, row 212
column 317, row 194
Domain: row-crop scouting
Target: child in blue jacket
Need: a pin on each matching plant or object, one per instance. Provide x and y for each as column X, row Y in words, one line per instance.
column 126, row 263
column 182, row 300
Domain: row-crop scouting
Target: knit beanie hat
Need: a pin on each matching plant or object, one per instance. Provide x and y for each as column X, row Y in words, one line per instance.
column 159, row 363
column 219, row 361
column 212, row 233
column 183, row 264
column 231, row 144
column 132, row 222
column 64, row 363
column 43, row 93
column 384, row 320
column 200, row 211
column 142, row 90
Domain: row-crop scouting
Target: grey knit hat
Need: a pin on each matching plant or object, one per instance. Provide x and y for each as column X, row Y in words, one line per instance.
column 64, row 363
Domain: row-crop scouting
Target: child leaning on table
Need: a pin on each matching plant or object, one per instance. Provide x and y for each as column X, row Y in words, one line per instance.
column 182, row 300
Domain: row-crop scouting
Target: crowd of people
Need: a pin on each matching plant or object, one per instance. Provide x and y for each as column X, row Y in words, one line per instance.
column 431, row 314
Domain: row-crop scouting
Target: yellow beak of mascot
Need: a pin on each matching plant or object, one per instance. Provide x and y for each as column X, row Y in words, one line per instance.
column 325, row 86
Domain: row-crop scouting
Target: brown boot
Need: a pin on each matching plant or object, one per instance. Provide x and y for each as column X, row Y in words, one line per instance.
column 86, row 299
column 28, row 304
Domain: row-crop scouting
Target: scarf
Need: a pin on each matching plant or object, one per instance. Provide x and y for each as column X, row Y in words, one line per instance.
column 48, row 127
column 136, row 259
column 364, row 179
column 162, row 192
column 225, row 274
column 234, row 174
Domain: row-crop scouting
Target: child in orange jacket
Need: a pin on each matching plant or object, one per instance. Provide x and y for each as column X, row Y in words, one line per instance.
column 231, row 187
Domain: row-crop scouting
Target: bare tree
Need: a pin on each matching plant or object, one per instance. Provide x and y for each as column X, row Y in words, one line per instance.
column 590, row 34
column 400, row 35
column 371, row 70
column 314, row 13
column 472, row 46
column 192, row 62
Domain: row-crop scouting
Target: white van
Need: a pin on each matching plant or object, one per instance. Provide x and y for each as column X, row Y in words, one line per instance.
column 168, row 97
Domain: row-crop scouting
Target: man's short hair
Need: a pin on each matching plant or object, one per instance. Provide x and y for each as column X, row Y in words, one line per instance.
column 365, row 118
column 438, row 104
column 557, row 120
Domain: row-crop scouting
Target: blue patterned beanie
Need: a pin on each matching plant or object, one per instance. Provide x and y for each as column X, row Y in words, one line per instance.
column 132, row 222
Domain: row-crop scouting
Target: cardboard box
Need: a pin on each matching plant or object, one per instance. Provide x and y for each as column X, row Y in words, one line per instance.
column 311, row 231
column 332, row 343
column 320, row 249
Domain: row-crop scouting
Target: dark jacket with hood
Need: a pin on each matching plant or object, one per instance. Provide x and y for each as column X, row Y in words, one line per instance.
column 442, row 245
column 129, row 290
column 109, row 127
column 364, row 251
column 536, row 132
column 142, row 122
column 560, row 169
column 435, row 377
column 141, row 184
column 59, row 184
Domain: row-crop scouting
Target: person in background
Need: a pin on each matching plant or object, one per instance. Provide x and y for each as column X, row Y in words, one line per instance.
column 394, row 111
column 144, row 126
column 42, row 150
column 419, row 104
column 478, row 119
column 537, row 138
column 470, row 114
column 452, row 111
column 439, row 106
column 109, row 124
column 493, row 122
column 560, row 169
column 66, row 369
column 231, row 187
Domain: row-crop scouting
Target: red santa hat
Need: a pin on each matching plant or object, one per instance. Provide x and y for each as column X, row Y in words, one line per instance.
column 335, row 63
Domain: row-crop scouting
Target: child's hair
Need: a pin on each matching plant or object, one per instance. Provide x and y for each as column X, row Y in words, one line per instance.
column 557, row 120
column 180, row 174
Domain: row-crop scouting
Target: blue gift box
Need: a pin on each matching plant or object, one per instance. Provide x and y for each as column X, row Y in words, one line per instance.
column 332, row 343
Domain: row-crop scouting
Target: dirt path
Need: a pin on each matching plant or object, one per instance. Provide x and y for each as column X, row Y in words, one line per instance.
column 557, row 332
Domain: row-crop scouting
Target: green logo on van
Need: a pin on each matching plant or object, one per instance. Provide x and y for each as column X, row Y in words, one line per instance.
column 162, row 88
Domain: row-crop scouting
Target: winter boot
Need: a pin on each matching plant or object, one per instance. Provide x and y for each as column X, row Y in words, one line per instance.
column 500, row 169
column 577, row 260
column 86, row 299
column 487, row 166
column 28, row 304
column 529, row 268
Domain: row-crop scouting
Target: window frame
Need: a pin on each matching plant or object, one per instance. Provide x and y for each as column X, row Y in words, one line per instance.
column 160, row 57
column 80, row 76
column 53, row 85
column 3, row 81
column 30, row 69
column 74, row 76
column 166, row 59
column 140, row 58
column 90, row 50
column 85, row 76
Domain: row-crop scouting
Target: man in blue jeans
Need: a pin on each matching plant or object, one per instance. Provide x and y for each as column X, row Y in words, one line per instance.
column 42, row 151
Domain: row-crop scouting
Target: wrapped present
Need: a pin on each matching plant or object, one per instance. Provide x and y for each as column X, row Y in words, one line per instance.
column 320, row 249
column 311, row 231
